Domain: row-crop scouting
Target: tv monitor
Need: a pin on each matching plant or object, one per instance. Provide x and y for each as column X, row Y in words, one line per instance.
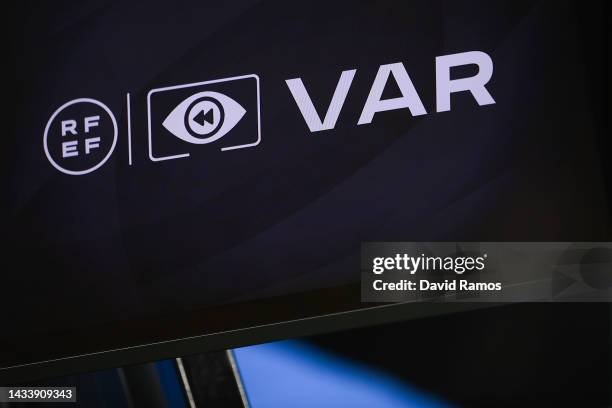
column 201, row 175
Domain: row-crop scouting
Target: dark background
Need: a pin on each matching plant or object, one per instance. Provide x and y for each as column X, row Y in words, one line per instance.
column 131, row 254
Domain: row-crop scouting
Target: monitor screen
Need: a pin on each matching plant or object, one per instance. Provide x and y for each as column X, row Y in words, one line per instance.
column 185, row 169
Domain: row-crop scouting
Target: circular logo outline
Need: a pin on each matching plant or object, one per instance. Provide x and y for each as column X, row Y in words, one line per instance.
column 57, row 112
column 212, row 133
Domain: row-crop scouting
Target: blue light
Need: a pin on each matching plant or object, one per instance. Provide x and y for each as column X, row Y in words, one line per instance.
column 171, row 384
column 293, row 374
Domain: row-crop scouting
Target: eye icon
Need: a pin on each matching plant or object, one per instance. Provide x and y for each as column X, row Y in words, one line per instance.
column 204, row 117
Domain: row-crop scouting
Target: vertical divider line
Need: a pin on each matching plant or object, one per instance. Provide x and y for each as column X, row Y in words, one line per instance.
column 129, row 128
